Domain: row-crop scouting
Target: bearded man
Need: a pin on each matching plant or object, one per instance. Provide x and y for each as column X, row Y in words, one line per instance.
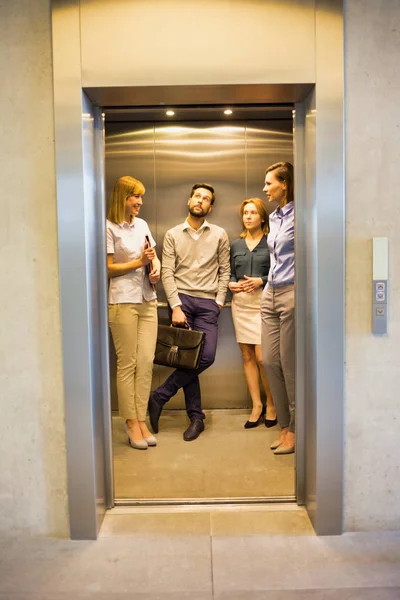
column 195, row 275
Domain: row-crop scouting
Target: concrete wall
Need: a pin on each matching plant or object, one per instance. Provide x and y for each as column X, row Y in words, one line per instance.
column 372, row 479
column 211, row 42
column 33, row 497
column 33, row 493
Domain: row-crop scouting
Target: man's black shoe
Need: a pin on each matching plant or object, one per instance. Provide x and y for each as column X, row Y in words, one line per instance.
column 154, row 412
column 194, row 430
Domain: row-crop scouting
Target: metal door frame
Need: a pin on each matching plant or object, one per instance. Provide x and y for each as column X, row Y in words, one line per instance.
column 320, row 222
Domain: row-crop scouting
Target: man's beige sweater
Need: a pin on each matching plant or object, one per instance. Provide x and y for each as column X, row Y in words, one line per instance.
column 199, row 268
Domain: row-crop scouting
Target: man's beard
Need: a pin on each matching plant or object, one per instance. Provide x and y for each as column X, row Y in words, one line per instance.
column 199, row 213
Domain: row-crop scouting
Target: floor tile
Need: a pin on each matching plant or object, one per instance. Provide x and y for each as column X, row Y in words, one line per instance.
column 109, row 596
column 263, row 522
column 255, row 563
column 225, row 461
column 31, row 564
column 178, row 567
column 321, row 594
column 110, row 565
column 148, row 524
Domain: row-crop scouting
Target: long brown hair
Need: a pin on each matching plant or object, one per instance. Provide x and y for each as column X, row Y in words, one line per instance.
column 283, row 171
column 262, row 211
column 123, row 188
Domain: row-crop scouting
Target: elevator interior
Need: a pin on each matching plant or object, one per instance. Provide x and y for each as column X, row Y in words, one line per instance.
column 170, row 154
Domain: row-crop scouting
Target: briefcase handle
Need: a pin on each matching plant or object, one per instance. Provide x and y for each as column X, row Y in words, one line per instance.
column 185, row 326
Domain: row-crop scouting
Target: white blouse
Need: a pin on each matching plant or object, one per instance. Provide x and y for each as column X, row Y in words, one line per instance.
column 126, row 242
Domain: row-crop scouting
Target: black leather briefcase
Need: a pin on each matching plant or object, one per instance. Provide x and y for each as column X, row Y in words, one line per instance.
column 178, row 347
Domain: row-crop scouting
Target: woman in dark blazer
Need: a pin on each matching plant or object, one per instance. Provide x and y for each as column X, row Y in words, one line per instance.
column 249, row 273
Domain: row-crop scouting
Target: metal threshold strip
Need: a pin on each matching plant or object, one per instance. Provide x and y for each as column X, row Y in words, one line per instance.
column 203, row 501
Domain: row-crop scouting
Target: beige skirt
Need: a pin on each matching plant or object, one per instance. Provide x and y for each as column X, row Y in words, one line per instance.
column 247, row 317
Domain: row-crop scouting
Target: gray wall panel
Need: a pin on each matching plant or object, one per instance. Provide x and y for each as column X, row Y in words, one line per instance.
column 306, row 301
column 130, row 151
column 190, row 43
column 266, row 143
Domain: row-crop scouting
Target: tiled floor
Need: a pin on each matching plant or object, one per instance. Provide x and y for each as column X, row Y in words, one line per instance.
column 225, row 461
column 232, row 520
column 227, row 553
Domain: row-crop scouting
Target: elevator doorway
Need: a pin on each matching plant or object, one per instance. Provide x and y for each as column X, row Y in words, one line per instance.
column 169, row 155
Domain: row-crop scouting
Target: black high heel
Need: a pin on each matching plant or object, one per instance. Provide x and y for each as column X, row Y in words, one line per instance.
column 251, row 424
column 271, row 422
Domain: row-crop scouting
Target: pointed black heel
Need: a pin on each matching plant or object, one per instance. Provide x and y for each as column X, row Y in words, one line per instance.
column 270, row 422
column 252, row 424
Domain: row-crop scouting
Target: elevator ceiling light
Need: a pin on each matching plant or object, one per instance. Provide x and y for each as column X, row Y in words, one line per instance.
column 170, row 113
column 228, row 111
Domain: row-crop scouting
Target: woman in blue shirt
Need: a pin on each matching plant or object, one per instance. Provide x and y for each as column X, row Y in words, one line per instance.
column 249, row 273
column 278, row 302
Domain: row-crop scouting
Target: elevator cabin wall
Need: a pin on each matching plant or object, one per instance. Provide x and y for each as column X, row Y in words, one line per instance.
column 169, row 159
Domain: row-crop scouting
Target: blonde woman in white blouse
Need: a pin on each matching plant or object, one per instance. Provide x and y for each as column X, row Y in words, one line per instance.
column 132, row 305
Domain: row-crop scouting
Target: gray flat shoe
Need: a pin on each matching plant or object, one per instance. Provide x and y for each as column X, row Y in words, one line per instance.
column 276, row 444
column 284, row 450
column 151, row 440
column 141, row 445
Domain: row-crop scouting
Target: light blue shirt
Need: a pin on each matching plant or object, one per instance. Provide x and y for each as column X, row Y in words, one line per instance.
column 281, row 246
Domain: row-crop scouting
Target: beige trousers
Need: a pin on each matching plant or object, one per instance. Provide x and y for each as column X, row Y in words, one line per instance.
column 134, row 331
column 278, row 350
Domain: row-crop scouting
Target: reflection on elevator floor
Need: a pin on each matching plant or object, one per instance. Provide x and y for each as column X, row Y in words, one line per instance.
column 226, row 461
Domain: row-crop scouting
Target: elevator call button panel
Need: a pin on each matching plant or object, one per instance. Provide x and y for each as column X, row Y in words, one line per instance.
column 380, row 276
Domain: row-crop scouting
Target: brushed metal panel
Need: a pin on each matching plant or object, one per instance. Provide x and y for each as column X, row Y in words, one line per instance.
column 80, row 255
column 302, row 351
column 214, row 153
column 96, row 284
column 210, row 42
column 130, row 151
column 310, row 285
column 104, row 374
column 211, row 113
column 72, row 268
column 330, row 239
column 266, row 143
column 190, row 153
column 198, row 95
column 113, row 372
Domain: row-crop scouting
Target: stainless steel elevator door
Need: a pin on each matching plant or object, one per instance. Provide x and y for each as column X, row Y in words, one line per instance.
column 169, row 159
